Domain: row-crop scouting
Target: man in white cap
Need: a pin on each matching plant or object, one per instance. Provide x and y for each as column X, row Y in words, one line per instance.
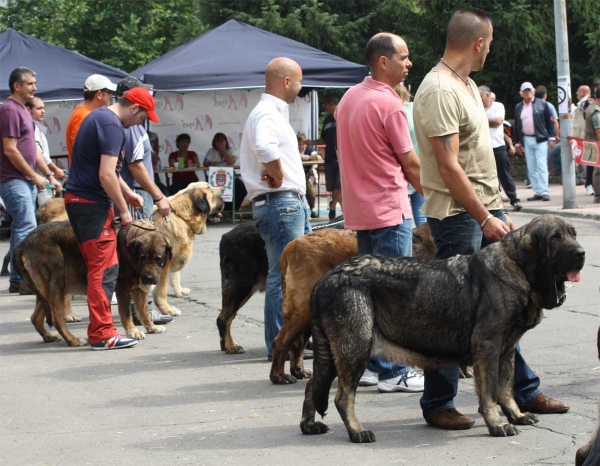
column 97, row 92
column 534, row 134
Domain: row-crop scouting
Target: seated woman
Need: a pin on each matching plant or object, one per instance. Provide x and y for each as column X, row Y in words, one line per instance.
column 222, row 155
column 190, row 159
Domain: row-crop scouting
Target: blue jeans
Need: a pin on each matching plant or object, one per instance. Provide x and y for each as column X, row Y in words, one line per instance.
column 279, row 221
column 536, row 154
column 390, row 241
column 554, row 158
column 460, row 234
column 416, row 202
column 19, row 199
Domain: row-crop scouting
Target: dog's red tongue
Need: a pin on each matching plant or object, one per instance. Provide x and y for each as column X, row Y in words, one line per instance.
column 574, row 276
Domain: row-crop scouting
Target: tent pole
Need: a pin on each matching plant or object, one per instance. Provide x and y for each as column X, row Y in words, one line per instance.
column 314, row 114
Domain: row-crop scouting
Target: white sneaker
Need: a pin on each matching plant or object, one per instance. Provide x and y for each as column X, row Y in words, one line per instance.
column 409, row 382
column 368, row 379
column 114, row 299
column 589, row 190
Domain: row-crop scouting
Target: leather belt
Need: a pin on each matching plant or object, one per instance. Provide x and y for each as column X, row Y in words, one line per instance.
column 276, row 195
column 529, row 135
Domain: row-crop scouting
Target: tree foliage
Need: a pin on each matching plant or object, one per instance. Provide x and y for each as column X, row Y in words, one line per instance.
column 130, row 33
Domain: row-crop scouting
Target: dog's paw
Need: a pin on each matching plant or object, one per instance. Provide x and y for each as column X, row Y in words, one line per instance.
column 172, row 311
column 74, row 317
column 527, row 419
column 302, row 373
column 282, row 379
column 185, row 291
column 235, row 349
column 466, row 372
column 313, row 428
column 156, row 329
column 136, row 334
column 51, row 337
column 503, row 430
column 366, row 436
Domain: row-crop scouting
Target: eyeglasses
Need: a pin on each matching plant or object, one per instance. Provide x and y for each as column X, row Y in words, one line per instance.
column 106, row 91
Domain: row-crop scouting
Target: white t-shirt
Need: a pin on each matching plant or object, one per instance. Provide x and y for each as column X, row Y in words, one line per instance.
column 268, row 136
column 212, row 155
column 42, row 143
column 496, row 134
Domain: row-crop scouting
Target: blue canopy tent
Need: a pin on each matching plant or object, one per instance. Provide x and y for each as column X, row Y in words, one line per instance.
column 234, row 56
column 60, row 72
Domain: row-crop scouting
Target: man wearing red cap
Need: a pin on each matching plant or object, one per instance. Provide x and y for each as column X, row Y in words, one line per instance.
column 94, row 188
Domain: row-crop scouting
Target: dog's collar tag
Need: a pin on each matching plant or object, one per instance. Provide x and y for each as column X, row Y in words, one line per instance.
column 558, row 298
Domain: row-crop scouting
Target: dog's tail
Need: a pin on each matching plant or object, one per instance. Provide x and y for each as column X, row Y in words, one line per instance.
column 324, row 371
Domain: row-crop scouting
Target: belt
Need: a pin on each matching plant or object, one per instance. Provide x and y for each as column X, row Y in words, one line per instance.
column 529, row 135
column 276, row 195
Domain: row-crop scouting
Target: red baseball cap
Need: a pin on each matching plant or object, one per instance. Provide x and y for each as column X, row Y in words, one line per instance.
column 142, row 97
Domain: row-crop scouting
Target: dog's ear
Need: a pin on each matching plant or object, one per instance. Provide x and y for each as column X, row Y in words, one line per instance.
column 201, row 203
column 135, row 249
column 527, row 253
column 168, row 254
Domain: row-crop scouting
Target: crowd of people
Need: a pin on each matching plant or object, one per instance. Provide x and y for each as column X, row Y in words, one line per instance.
column 440, row 159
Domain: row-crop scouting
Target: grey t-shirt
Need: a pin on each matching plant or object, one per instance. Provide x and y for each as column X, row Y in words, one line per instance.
column 137, row 147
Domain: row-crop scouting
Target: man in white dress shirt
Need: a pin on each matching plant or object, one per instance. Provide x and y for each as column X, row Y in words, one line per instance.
column 274, row 178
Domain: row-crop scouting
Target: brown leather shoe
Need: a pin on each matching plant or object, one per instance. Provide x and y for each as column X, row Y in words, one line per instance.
column 542, row 404
column 24, row 290
column 451, row 419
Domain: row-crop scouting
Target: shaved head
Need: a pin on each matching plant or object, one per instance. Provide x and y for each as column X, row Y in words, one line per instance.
column 383, row 44
column 281, row 67
column 466, row 26
column 283, row 78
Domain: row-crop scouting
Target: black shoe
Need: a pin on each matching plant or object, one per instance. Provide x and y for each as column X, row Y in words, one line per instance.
column 13, row 287
column 545, row 197
column 536, row 197
column 517, row 206
column 331, row 214
column 313, row 214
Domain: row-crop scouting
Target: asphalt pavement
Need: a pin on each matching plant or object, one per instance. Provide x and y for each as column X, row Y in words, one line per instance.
column 175, row 398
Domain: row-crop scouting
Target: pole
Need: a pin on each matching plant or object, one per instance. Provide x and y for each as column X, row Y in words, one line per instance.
column 314, row 115
column 564, row 112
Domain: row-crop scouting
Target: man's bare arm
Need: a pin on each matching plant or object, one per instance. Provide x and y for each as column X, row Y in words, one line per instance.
column 446, row 153
column 495, row 122
column 411, row 166
column 18, row 161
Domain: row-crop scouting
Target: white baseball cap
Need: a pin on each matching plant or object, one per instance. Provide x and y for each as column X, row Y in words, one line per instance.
column 526, row 85
column 97, row 82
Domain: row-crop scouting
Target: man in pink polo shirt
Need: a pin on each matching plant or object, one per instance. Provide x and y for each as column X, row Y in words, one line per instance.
column 377, row 160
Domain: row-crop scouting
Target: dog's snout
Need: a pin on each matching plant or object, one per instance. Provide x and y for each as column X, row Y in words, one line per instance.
column 580, row 253
column 148, row 280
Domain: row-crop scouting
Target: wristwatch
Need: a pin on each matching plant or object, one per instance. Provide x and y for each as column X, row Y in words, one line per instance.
column 49, row 175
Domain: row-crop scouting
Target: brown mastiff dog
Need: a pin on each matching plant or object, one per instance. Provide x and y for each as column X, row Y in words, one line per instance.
column 303, row 262
column 51, row 264
column 191, row 208
column 53, row 210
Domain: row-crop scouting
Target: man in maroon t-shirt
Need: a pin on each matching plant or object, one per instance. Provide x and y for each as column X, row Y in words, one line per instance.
column 19, row 156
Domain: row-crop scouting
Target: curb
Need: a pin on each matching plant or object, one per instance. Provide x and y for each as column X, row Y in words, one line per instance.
column 571, row 213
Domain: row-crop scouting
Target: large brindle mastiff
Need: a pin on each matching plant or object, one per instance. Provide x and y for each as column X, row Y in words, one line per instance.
column 466, row 309
column 51, row 264
column 303, row 262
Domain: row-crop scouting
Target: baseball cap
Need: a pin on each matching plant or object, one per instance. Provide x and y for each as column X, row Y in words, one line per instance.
column 97, row 82
column 527, row 85
column 130, row 82
column 142, row 97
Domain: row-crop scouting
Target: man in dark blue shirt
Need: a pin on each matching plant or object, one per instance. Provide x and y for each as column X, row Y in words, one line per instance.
column 94, row 187
column 332, row 167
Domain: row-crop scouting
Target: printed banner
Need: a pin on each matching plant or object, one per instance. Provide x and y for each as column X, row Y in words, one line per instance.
column 222, row 177
column 585, row 151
